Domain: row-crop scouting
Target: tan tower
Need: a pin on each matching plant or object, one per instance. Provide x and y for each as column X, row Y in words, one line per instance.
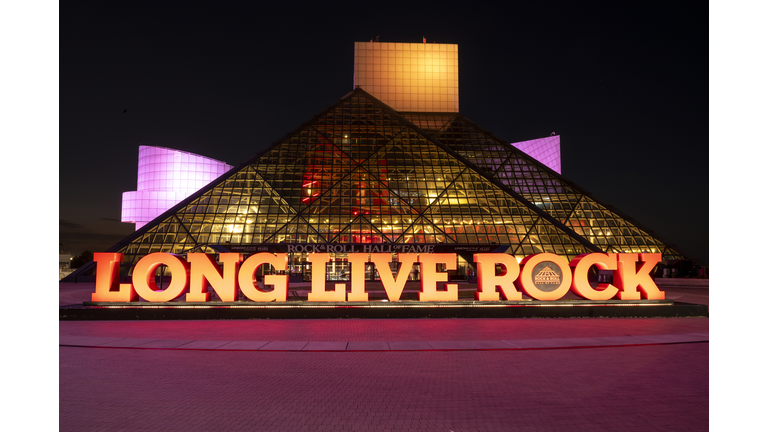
column 410, row 77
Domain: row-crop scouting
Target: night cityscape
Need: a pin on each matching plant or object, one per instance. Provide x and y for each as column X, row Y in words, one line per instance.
column 627, row 90
column 630, row 108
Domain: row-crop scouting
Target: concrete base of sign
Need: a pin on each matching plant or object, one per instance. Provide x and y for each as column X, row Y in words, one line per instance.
column 381, row 309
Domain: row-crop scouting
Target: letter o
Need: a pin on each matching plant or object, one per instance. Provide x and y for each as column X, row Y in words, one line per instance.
column 526, row 283
column 144, row 277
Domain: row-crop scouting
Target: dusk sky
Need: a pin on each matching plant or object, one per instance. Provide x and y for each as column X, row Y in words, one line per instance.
column 626, row 88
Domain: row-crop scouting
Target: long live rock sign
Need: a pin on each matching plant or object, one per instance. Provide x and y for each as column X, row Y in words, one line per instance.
column 632, row 280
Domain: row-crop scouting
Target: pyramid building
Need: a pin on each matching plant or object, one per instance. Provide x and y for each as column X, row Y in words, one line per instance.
column 363, row 173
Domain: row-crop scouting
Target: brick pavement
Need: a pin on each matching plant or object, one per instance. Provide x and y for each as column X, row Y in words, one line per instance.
column 624, row 374
column 637, row 388
column 391, row 334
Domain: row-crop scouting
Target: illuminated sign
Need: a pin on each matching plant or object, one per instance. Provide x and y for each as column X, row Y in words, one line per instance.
column 543, row 276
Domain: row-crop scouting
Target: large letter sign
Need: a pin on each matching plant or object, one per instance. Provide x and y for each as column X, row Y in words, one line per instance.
column 632, row 275
column 393, row 287
column 280, row 282
column 318, row 293
column 357, row 278
column 488, row 280
column 580, row 284
column 543, row 277
column 204, row 269
column 145, row 284
column 108, row 287
column 430, row 277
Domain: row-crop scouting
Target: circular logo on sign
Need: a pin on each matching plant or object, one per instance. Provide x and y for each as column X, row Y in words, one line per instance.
column 547, row 276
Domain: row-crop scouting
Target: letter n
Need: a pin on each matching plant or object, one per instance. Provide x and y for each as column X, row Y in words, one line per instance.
column 203, row 269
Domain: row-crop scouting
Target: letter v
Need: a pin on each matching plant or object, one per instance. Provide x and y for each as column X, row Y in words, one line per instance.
column 393, row 287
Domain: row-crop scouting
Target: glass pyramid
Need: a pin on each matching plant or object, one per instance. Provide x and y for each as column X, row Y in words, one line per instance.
column 362, row 173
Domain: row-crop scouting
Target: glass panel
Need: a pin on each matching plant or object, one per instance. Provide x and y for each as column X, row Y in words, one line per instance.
column 360, row 173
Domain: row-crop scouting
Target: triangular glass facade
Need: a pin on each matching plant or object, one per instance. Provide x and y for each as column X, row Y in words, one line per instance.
column 361, row 173
column 574, row 207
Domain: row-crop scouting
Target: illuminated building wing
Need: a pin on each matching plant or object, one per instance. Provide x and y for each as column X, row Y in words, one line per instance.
column 362, row 173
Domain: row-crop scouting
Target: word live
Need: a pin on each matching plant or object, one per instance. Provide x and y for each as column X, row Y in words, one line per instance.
column 543, row 276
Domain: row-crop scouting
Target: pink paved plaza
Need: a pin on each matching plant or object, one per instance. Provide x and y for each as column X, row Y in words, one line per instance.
column 627, row 374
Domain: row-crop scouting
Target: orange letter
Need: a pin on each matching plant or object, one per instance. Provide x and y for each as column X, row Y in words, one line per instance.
column 107, row 287
column 357, row 277
column 393, row 287
column 580, row 284
column 279, row 291
column 545, row 276
column 204, row 269
column 630, row 275
column 488, row 280
column 318, row 292
column 430, row 277
column 144, row 277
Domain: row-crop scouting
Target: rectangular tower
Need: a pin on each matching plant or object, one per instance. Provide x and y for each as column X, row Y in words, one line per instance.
column 410, row 77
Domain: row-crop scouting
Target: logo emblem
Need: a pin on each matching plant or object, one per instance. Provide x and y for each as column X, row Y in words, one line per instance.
column 547, row 276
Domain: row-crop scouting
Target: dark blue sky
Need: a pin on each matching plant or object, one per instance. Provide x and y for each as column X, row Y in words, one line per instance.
column 625, row 85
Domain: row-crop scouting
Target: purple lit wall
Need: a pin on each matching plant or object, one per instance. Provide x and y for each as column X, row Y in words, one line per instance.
column 545, row 150
column 166, row 177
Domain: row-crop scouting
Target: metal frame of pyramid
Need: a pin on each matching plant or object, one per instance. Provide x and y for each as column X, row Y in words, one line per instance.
column 358, row 170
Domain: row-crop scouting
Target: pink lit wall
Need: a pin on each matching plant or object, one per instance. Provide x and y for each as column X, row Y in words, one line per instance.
column 545, row 150
column 166, row 177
